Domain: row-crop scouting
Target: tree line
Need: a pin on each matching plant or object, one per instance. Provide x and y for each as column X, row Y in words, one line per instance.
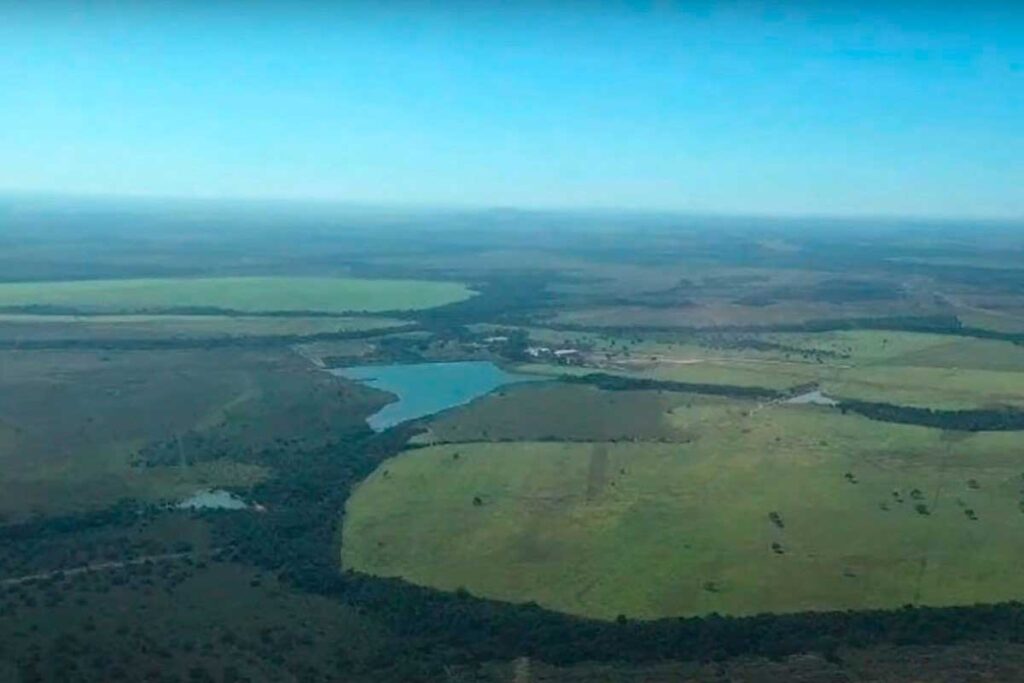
column 931, row 324
column 299, row 539
column 608, row 382
column 169, row 343
column 967, row 420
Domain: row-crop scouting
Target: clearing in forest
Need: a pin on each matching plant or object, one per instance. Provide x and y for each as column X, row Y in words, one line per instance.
column 783, row 509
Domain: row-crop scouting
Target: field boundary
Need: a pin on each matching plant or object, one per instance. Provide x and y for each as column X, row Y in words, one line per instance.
column 241, row 341
column 945, row 325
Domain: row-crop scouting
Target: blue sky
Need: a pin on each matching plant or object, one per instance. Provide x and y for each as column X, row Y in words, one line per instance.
column 775, row 108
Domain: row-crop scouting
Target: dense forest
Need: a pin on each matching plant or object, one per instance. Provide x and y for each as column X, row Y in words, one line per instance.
column 619, row 383
column 989, row 420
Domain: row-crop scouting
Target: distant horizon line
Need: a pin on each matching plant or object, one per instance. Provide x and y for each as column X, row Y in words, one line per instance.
column 318, row 202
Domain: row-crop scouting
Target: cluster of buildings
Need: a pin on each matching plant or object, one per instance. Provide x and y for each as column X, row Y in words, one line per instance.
column 561, row 356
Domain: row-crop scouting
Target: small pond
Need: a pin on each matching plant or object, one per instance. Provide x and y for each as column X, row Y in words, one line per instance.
column 427, row 388
column 213, row 499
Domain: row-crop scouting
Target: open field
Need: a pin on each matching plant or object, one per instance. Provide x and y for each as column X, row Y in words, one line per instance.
column 998, row 320
column 556, row 411
column 246, row 294
column 906, row 368
column 865, row 347
column 118, row 327
column 930, row 387
column 864, row 515
column 725, row 313
column 721, row 371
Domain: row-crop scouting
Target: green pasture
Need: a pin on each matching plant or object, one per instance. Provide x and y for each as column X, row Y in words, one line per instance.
column 28, row 326
column 909, row 348
column 923, row 370
column 930, row 387
column 246, row 294
column 866, row 515
column 556, row 411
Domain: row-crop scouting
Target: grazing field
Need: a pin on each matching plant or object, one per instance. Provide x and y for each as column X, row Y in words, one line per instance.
column 736, row 371
column 17, row 327
column 555, row 411
column 864, row 347
column 1000, row 320
column 778, row 508
column 717, row 313
column 913, row 369
column 950, row 388
column 924, row 370
column 245, row 294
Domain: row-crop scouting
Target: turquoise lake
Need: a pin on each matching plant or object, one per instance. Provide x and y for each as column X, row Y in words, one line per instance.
column 427, row 388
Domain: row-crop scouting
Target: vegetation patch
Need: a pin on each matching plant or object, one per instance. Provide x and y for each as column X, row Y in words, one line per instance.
column 558, row 411
column 1004, row 420
column 80, row 430
column 243, row 294
column 620, row 383
column 921, row 370
column 57, row 328
column 943, row 388
column 782, row 509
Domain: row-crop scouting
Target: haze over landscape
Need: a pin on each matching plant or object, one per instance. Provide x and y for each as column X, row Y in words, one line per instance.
column 511, row 342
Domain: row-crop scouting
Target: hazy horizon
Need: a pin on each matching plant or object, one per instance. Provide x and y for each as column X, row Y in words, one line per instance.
column 340, row 207
column 731, row 109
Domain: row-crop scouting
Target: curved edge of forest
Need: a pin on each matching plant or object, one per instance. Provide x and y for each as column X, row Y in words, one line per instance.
column 298, row 539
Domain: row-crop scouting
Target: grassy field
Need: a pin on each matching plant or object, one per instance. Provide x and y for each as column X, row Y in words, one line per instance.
column 59, row 327
column 716, row 313
column 924, row 370
column 246, row 294
column 999, row 319
column 549, row 411
column 863, row 515
column 927, row 370
column 863, row 347
column 931, row 387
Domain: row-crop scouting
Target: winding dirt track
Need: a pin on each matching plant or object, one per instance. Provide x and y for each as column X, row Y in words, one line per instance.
column 98, row 567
